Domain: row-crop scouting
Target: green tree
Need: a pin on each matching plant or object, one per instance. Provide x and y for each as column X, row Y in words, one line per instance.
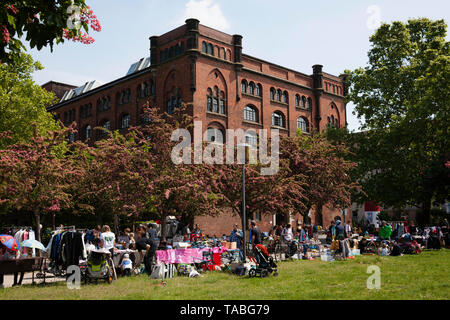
column 22, row 102
column 403, row 95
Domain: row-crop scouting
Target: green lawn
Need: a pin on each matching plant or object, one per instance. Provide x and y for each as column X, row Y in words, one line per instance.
column 424, row 276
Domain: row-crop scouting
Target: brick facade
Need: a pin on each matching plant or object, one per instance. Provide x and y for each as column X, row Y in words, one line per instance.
column 192, row 61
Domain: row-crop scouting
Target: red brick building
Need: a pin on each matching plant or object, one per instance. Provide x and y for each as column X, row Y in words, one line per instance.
column 225, row 89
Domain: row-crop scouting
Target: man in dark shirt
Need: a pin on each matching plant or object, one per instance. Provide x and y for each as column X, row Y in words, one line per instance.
column 152, row 234
column 256, row 233
column 340, row 231
column 149, row 245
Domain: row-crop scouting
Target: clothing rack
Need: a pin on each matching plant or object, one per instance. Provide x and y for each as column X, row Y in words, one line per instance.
column 65, row 228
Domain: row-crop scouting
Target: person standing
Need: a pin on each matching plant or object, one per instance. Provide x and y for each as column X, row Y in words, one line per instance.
column 340, row 231
column 149, row 245
column 7, row 254
column 151, row 233
column 385, row 231
column 108, row 239
column 237, row 236
column 256, row 233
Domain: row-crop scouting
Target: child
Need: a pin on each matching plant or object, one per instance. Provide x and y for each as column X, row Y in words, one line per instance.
column 126, row 265
column 132, row 241
column 383, row 251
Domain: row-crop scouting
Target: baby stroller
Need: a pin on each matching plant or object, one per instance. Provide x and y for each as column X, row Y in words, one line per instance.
column 99, row 267
column 265, row 263
column 292, row 249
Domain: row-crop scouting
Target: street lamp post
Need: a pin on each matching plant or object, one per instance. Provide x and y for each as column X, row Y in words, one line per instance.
column 244, row 218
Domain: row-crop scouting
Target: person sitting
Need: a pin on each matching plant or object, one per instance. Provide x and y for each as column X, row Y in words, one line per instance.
column 126, row 265
column 395, row 249
column 383, row 251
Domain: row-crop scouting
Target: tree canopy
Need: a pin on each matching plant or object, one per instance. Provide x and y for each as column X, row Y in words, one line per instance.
column 403, row 95
column 23, row 102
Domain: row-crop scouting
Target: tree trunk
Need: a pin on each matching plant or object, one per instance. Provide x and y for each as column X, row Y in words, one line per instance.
column 54, row 221
column 37, row 216
column 319, row 218
column 426, row 210
column 163, row 228
column 116, row 223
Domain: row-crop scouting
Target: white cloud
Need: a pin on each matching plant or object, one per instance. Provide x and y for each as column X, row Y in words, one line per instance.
column 208, row 12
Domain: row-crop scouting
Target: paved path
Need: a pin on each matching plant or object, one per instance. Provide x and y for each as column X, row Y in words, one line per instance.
column 27, row 279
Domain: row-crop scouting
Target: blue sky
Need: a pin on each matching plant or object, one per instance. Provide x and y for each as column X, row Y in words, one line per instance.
column 292, row 33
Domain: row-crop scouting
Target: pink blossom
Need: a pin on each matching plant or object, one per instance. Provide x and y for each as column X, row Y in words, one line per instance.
column 5, row 34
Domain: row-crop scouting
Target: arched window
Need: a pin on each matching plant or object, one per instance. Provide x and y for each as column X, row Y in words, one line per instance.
column 118, row 99
column 303, row 105
column 272, row 94
column 259, row 90
column 215, row 135
column 251, row 88
column 204, row 47
column 244, row 86
column 170, row 110
column 125, row 121
column 297, row 100
column 251, row 138
column 88, row 132
column 72, row 137
column 285, row 97
column 209, row 100
column 309, row 103
column 278, row 119
column 251, row 114
column 210, row 49
column 216, row 104
column 302, row 124
column 222, row 107
column 332, row 120
column 146, row 89
column 107, row 125
column 152, row 88
column 279, row 94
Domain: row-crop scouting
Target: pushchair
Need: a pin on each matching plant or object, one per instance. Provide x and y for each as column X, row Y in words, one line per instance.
column 265, row 262
column 99, row 267
column 292, row 249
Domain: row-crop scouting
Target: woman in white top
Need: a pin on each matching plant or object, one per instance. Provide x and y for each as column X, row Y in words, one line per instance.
column 288, row 235
column 107, row 239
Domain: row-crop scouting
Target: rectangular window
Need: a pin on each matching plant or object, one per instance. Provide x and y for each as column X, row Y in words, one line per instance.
column 222, row 107
column 216, row 105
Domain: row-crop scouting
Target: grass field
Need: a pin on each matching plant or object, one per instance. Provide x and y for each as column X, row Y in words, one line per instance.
column 424, row 276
